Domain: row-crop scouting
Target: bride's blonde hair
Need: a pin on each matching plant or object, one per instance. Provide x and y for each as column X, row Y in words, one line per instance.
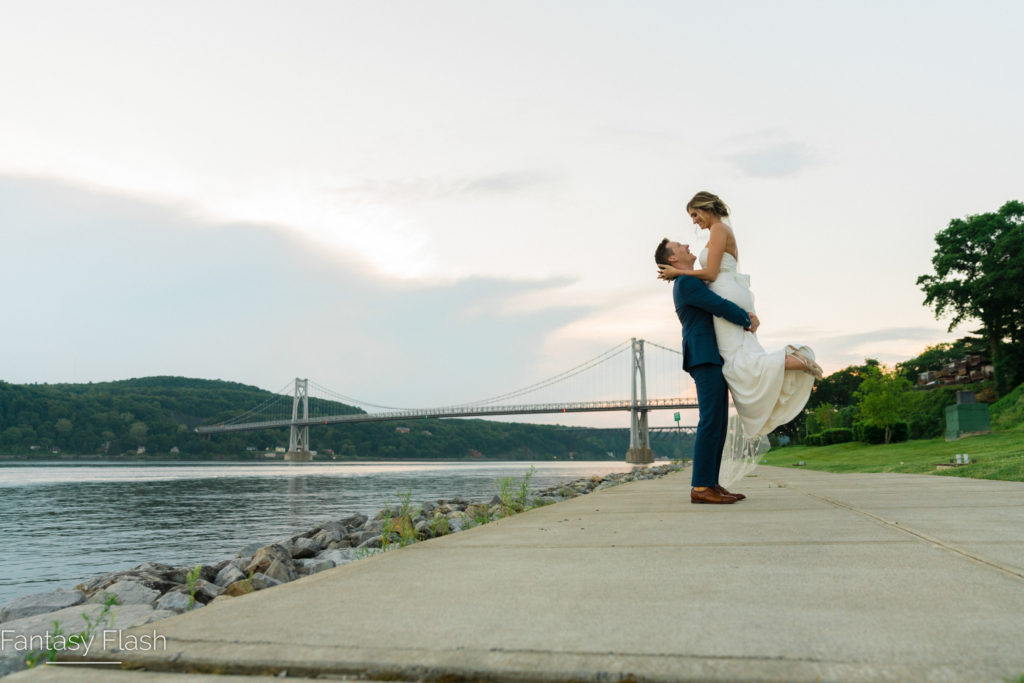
column 708, row 202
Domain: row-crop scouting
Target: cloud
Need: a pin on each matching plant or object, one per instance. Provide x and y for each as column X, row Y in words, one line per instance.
column 888, row 334
column 777, row 160
column 767, row 153
column 99, row 286
column 409, row 190
column 888, row 345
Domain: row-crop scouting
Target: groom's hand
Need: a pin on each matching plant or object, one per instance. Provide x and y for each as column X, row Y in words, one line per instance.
column 755, row 323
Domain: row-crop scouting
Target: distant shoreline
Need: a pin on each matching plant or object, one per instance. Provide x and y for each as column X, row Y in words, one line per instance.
column 35, row 459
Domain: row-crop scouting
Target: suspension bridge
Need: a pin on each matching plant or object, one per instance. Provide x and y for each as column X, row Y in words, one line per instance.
column 616, row 380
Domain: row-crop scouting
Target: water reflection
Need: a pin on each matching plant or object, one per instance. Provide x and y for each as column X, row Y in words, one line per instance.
column 63, row 523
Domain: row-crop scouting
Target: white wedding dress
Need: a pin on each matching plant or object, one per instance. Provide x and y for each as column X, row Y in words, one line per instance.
column 764, row 393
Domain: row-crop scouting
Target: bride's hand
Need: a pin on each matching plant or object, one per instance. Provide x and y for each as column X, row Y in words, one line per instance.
column 668, row 272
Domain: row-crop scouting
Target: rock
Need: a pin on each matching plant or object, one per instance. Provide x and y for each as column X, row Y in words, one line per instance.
column 305, row 547
column 477, row 510
column 315, row 565
column 353, row 521
column 282, row 571
column 127, row 593
column 160, row 572
column 249, row 550
column 325, row 537
column 339, row 557
column 372, row 542
column 334, row 545
column 229, row 575
column 456, row 523
column 40, row 603
column 207, row 591
column 238, row 588
column 221, row 598
column 496, row 500
column 359, row 538
column 11, row 663
column 261, row 581
column 208, row 572
column 158, row 577
column 374, row 525
column 267, row 555
column 336, row 529
column 177, row 601
column 427, row 508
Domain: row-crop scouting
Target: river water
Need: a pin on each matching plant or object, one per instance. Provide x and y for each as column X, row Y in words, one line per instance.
column 62, row 523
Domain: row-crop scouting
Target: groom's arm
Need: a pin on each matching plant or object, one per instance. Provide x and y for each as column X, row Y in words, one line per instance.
column 695, row 293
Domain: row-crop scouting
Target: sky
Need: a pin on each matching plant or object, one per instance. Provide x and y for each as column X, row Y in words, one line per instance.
column 424, row 203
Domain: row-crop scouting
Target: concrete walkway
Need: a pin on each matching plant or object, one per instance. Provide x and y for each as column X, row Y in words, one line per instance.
column 856, row 577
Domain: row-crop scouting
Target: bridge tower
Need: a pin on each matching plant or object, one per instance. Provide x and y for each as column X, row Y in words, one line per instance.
column 298, row 442
column 639, row 452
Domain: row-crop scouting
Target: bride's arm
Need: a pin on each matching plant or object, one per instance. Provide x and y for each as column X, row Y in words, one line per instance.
column 716, row 247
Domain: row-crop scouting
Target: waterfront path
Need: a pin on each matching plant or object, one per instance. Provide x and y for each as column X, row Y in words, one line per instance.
column 816, row 576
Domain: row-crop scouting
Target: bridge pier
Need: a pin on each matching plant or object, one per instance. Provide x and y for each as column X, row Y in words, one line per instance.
column 639, row 452
column 298, row 441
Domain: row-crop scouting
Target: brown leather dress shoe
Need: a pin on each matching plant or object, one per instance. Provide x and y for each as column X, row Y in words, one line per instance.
column 724, row 492
column 709, row 495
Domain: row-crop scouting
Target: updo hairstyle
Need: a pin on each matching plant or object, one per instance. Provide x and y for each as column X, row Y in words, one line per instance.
column 708, row 202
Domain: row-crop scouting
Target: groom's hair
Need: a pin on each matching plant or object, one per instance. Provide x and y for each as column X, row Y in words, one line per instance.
column 662, row 253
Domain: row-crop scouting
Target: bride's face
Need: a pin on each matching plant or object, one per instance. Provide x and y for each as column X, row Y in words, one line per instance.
column 702, row 218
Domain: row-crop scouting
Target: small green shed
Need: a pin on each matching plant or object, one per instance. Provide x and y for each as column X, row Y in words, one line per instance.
column 966, row 417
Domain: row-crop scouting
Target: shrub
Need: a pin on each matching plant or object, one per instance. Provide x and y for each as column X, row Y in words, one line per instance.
column 869, row 433
column 840, row 435
column 900, row 432
column 813, row 440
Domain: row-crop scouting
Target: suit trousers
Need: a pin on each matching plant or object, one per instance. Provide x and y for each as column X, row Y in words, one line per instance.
column 712, row 425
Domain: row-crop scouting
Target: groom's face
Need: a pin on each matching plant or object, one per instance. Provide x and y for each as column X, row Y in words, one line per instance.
column 681, row 255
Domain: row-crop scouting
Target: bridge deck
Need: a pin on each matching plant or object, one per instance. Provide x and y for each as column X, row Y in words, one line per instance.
column 459, row 411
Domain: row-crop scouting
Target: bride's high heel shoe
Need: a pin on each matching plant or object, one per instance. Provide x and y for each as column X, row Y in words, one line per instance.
column 810, row 367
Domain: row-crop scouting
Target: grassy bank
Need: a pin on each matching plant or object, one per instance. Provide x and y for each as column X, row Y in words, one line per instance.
column 999, row 455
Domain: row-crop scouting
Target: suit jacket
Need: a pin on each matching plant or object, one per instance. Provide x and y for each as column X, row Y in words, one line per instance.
column 695, row 304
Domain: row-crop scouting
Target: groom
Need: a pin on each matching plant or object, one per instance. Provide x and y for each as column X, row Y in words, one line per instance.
column 695, row 306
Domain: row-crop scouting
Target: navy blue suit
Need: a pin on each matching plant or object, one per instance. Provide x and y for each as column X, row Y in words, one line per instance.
column 695, row 306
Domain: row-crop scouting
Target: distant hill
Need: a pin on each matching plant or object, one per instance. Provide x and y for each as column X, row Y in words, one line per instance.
column 161, row 413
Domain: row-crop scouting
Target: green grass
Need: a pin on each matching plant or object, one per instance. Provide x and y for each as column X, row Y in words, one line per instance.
column 999, row 455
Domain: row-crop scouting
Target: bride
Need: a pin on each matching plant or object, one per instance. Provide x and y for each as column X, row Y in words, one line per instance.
column 768, row 389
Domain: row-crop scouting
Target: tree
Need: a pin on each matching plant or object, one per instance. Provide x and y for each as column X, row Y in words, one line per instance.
column 881, row 397
column 839, row 387
column 979, row 275
column 138, row 433
column 824, row 414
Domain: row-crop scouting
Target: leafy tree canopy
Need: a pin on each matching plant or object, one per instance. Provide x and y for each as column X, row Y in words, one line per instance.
column 979, row 275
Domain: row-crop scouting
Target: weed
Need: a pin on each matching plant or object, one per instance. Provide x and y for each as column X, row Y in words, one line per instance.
column 524, row 488
column 191, row 579
column 514, row 495
column 105, row 617
column 438, row 525
column 363, row 553
column 482, row 516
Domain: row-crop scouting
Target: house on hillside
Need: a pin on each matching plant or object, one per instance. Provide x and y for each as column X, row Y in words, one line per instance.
column 973, row 368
